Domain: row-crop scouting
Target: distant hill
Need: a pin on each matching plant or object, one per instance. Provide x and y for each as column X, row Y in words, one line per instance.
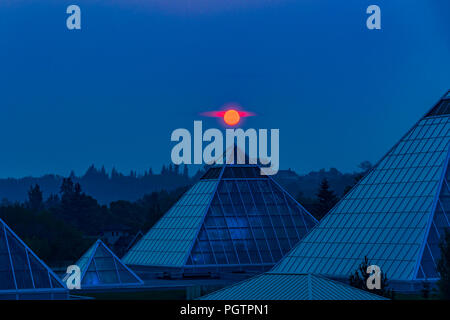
column 113, row 186
column 103, row 186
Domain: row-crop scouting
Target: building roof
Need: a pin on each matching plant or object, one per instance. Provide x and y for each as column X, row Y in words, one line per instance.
column 22, row 274
column 395, row 215
column 100, row 267
column 233, row 216
column 272, row 286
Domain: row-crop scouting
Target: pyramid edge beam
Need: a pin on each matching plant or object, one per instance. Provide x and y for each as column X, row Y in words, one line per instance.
column 432, row 214
column 177, row 265
column 213, row 193
column 117, row 258
column 95, row 247
column 296, row 202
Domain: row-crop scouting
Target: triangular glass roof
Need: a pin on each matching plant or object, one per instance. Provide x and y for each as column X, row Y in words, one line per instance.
column 440, row 222
column 100, row 267
column 22, row 273
column 270, row 286
column 389, row 215
column 232, row 217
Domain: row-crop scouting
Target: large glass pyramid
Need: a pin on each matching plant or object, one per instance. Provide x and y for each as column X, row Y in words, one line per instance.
column 100, row 267
column 395, row 215
column 22, row 274
column 234, row 217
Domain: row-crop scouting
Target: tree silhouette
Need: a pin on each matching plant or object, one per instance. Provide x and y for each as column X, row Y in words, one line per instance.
column 35, row 198
column 326, row 199
column 359, row 280
column 365, row 167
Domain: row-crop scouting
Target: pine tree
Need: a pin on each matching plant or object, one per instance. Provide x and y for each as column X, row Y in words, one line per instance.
column 35, row 198
column 326, row 199
column 359, row 280
column 443, row 267
column 66, row 187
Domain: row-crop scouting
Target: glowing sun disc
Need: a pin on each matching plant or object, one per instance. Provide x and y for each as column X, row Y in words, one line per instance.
column 231, row 117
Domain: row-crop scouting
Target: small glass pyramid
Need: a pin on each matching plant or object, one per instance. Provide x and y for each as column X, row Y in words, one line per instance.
column 100, row 267
column 22, row 274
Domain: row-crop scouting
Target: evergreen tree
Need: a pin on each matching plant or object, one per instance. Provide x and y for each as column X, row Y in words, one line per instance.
column 359, row 280
column 444, row 267
column 35, row 198
column 66, row 188
column 326, row 199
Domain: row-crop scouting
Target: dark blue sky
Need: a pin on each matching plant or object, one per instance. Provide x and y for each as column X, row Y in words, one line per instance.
column 112, row 93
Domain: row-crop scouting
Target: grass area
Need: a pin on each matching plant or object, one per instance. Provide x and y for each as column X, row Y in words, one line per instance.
column 138, row 295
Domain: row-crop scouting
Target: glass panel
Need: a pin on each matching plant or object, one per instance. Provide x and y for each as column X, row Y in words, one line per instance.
column 255, row 222
column 20, row 263
column 40, row 274
column 386, row 215
column 6, row 275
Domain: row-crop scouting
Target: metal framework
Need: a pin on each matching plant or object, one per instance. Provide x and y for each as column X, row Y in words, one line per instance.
column 100, row 267
column 271, row 286
column 22, row 274
column 234, row 217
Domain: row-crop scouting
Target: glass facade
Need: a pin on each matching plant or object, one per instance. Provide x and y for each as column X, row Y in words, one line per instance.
column 432, row 252
column 22, row 274
column 101, row 267
column 233, row 216
column 249, row 222
column 386, row 216
column 169, row 241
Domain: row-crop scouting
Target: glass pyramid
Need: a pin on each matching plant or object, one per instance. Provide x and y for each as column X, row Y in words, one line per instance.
column 234, row 217
column 100, row 267
column 22, row 274
column 395, row 215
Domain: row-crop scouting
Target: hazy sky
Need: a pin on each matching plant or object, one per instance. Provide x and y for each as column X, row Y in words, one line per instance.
column 112, row 93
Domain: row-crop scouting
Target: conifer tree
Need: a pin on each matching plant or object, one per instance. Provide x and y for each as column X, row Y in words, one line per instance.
column 326, row 199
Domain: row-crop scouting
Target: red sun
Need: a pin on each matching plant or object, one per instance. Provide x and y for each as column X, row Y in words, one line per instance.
column 231, row 116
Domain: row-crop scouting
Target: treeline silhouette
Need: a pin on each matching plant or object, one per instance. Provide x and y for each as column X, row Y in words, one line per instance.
column 113, row 186
column 103, row 186
column 61, row 225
